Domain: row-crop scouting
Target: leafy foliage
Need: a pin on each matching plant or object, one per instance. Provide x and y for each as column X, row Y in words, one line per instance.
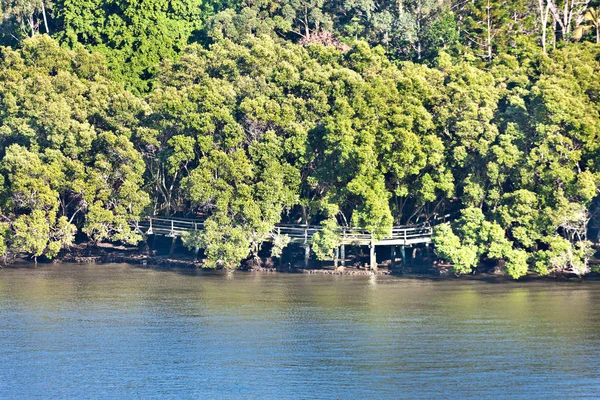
column 341, row 113
column 67, row 159
column 134, row 36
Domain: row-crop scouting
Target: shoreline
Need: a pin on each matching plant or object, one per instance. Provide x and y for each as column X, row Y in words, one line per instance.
column 106, row 254
column 186, row 262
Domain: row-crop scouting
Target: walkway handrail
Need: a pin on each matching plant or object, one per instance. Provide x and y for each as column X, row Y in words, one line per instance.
column 176, row 226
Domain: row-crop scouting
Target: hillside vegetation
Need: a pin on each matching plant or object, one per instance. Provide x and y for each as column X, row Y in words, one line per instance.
column 339, row 113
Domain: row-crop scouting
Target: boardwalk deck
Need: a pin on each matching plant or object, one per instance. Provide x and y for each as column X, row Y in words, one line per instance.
column 298, row 233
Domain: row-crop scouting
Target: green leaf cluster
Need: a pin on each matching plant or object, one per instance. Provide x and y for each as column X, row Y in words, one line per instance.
column 67, row 156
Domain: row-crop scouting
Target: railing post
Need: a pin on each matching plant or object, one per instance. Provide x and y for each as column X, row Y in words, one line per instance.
column 150, row 231
column 373, row 255
column 306, row 246
column 173, row 245
column 306, row 254
column 336, row 256
column 172, row 233
column 403, row 255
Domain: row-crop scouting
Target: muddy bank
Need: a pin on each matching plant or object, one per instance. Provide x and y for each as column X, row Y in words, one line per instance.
column 107, row 253
column 115, row 254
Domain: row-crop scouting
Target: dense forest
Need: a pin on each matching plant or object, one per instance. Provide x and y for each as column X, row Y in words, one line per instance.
column 362, row 113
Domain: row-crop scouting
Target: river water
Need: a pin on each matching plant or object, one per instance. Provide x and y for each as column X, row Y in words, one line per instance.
column 121, row 331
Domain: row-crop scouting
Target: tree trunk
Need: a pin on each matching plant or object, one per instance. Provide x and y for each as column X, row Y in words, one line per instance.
column 32, row 25
column 544, row 12
column 489, row 32
column 45, row 19
column 554, row 35
column 306, row 28
column 419, row 35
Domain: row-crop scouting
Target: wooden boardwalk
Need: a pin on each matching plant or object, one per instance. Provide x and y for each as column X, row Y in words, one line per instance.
column 298, row 233
column 400, row 236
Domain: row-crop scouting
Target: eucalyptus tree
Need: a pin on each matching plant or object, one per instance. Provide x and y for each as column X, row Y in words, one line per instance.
column 24, row 18
column 490, row 25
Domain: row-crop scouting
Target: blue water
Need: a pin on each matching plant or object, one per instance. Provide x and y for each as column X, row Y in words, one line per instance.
column 119, row 331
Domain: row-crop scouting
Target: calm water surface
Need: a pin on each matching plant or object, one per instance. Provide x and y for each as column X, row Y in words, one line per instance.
column 119, row 331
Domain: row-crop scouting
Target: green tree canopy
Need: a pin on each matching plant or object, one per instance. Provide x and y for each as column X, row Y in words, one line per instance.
column 67, row 158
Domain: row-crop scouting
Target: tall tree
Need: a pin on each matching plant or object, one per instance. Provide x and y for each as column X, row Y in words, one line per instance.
column 134, row 36
column 568, row 14
column 27, row 15
column 491, row 26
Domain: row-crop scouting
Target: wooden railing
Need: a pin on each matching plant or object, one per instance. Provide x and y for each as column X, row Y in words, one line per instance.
column 399, row 235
